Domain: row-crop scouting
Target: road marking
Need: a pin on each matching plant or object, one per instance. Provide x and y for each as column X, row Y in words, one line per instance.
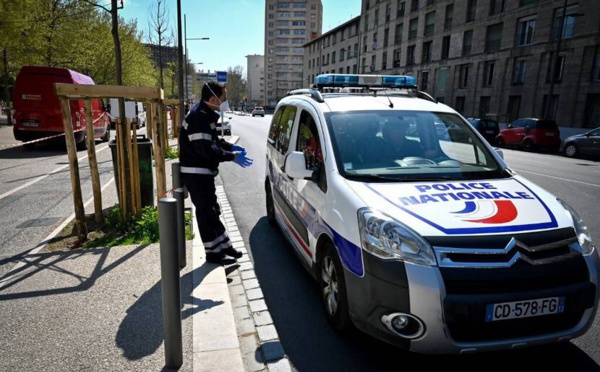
column 34, row 181
column 560, row 178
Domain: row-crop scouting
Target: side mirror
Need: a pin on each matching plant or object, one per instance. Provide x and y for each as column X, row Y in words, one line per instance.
column 295, row 166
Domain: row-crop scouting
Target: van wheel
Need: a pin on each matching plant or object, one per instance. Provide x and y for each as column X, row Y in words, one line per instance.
column 333, row 288
column 527, row 145
column 82, row 145
column 270, row 205
column 106, row 136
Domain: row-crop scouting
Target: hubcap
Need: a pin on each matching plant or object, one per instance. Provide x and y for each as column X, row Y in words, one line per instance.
column 330, row 285
column 570, row 150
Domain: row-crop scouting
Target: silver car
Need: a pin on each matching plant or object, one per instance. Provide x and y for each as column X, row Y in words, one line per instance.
column 587, row 143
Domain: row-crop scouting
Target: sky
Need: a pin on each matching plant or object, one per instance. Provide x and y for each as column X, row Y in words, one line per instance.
column 235, row 28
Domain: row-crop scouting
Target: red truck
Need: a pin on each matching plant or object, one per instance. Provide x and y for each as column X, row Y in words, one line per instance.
column 37, row 112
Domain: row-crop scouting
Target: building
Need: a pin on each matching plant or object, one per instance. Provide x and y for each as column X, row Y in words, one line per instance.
column 289, row 24
column 484, row 58
column 169, row 54
column 255, row 78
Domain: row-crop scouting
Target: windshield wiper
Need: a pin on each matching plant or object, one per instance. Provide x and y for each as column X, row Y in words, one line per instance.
column 371, row 177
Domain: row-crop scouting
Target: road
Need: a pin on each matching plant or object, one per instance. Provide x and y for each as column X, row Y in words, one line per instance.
column 36, row 193
column 293, row 297
column 35, row 196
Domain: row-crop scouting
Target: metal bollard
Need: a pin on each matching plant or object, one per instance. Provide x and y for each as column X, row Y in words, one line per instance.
column 171, row 282
column 178, row 194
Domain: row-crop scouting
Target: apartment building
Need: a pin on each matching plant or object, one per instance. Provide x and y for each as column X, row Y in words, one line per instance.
column 289, row 24
column 497, row 58
column 255, row 78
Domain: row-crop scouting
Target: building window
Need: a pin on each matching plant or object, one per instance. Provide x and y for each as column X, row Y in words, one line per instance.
column 513, row 108
column 527, row 2
column 488, row 73
column 518, row 76
column 386, row 37
column 445, row 47
column 397, row 58
column 410, row 55
column 596, row 68
column 424, row 80
column 442, row 78
column 460, row 104
column 525, row 31
column 567, row 23
column 384, row 61
column 448, row 17
column 412, row 28
column 429, row 24
column 463, row 76
column 401, row 9
column 372, row 66
column 342, row 54
column 332, row 57
column 467, row 43
column 496, row 7
column 493, row 38
column 376, row 18
column 426, row 53
column 558, row 69
column 398, row 34
column 366, row 25
column 484, row 106
column 471, row 7
column 553, row 105
column 414, row 5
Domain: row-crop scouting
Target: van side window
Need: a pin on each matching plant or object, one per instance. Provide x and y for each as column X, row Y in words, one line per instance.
column 281, row 128
column 309, row 142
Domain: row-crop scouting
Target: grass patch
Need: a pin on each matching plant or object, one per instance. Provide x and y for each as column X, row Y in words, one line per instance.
column 141, row 230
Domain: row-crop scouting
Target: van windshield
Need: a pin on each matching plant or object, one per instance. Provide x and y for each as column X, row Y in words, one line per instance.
column 409, row 145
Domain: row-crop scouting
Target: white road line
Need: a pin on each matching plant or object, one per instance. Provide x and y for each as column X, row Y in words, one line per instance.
column 34, row 181
column 560, row 178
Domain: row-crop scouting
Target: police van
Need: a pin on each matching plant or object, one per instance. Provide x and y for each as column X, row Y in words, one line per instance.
column 416, row 230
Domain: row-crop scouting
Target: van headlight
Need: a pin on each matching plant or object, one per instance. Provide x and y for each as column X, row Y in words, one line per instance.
column 389, row 239
column 581, row 230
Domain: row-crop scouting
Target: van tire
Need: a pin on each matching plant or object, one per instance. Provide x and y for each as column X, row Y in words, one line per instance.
column 82, row 145
column 270, row 204
column 106, row 136
column 332, row 285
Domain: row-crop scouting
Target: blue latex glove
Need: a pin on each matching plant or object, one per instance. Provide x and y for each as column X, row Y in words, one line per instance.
column 238, row 148
column 241, row 159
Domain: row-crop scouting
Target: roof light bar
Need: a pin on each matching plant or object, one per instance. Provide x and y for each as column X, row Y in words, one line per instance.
column 366, row 81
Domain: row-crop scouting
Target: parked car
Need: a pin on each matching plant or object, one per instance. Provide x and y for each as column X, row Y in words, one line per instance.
column 224, row 123
column 587, row 143
column 435, row 245
column 529, row 134
column 488, row 128
column 258, row 111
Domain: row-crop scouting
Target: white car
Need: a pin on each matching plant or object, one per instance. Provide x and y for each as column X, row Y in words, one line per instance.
column 224, row 124
column 435, row 245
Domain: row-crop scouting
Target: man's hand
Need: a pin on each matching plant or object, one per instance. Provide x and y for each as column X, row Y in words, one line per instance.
column 238, row 148
column 241, row 159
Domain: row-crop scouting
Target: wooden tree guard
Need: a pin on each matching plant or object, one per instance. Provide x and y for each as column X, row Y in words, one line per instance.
column 91, row 151
column 126, row 152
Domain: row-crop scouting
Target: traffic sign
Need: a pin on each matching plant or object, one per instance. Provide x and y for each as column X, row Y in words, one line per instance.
column 222, row 76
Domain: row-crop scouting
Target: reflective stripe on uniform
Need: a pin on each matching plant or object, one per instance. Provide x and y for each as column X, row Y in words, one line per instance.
column 185, row 125
column 198, row 170
column 200, row 136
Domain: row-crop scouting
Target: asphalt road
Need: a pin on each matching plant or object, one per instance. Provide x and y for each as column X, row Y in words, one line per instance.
column 293, row 298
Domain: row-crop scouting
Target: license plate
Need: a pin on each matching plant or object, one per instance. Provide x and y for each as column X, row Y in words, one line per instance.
column 549, row 134
column 30, row 124
column 524, row 309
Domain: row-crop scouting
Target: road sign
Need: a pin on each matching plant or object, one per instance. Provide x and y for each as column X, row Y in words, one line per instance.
column 222, row 76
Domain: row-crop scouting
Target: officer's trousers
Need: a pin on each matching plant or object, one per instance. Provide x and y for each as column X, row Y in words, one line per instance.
column 203, row 194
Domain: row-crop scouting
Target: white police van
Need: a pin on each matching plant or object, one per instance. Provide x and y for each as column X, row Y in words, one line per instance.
column 430, row 241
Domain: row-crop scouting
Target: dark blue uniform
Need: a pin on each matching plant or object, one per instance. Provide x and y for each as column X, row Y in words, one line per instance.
column 200, row 152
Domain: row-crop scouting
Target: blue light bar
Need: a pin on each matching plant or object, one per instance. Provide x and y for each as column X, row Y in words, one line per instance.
column 354, row 80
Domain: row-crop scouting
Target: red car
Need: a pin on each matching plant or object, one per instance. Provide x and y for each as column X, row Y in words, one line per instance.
column 529, row 134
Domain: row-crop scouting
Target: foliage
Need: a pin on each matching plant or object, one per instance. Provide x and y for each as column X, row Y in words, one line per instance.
column 236, row 86
column 171, row 153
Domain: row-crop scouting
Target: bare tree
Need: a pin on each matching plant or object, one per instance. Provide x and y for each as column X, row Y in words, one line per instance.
column 159, row 32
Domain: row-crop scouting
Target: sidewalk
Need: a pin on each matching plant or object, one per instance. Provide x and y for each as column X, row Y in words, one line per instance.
column 101, row 309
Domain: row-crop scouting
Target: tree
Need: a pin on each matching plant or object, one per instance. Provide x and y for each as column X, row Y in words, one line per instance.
column 158, row 35
column 236, row 85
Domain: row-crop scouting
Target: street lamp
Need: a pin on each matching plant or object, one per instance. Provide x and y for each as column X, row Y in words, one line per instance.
column 186, row 50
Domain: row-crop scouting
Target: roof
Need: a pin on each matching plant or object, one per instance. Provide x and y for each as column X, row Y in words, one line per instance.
column 77, row 77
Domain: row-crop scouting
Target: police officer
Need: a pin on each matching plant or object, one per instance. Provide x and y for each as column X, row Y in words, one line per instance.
column 200, row 152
